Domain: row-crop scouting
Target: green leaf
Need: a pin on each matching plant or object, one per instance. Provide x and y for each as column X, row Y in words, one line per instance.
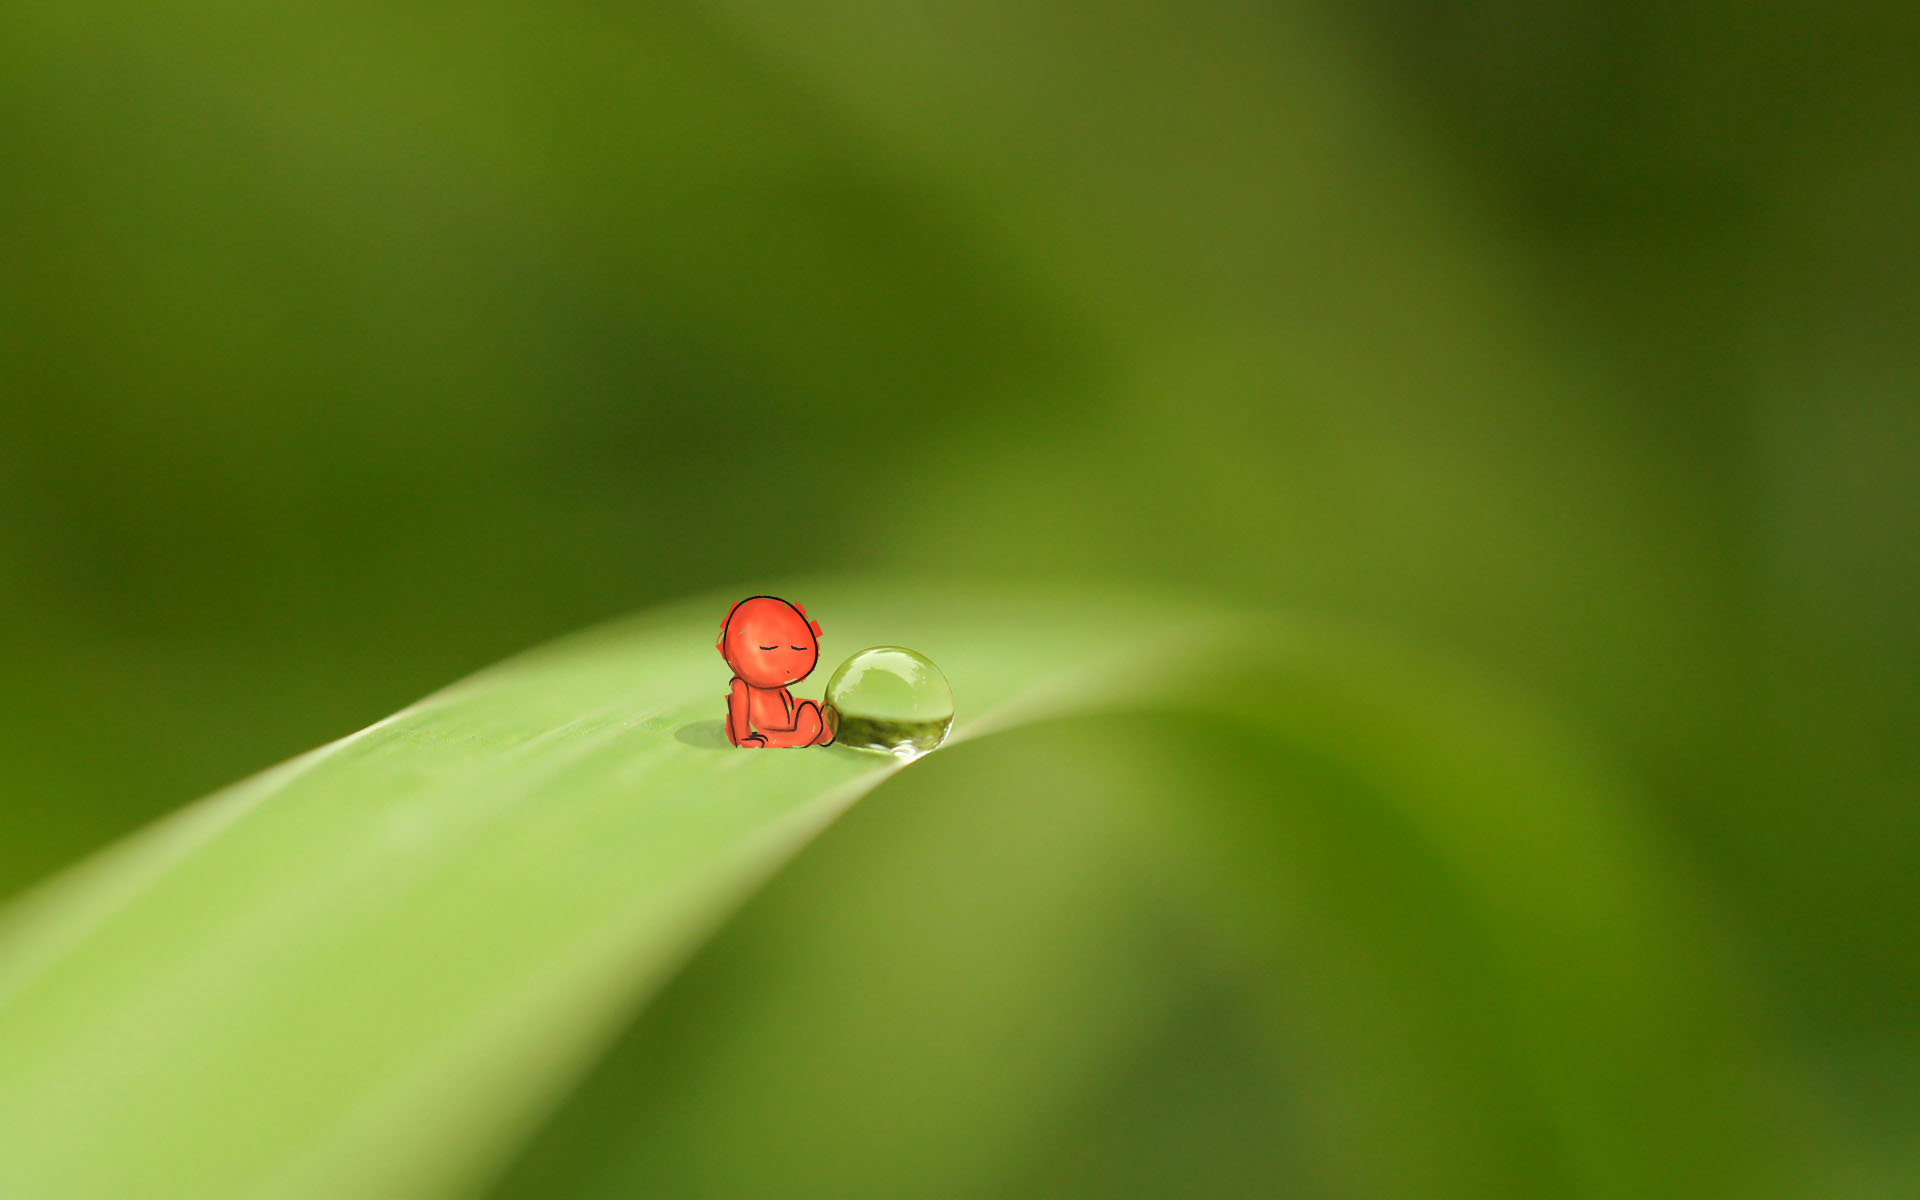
column 377, row 970
column 358, row 972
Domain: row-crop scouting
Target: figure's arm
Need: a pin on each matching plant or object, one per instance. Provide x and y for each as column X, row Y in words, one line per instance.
column 739, row 729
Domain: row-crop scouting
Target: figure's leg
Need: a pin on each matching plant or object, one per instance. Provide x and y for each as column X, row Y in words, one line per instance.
column 827, row 730
column 807, row 725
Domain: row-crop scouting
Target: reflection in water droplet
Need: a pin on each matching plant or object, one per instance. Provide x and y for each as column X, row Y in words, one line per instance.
column 889, row 698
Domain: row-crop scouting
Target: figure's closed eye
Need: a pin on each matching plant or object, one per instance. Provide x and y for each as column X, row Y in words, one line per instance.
column 802, row 648
column 769, row 647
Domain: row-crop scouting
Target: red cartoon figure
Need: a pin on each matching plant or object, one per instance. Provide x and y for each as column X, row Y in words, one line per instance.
column 770, row 644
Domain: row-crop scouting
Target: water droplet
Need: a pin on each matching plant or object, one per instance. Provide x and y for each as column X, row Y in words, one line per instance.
column 889, row 698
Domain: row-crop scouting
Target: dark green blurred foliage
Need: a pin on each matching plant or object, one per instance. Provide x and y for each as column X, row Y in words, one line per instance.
column 346, row 348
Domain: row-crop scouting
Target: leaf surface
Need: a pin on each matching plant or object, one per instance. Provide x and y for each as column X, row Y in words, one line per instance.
column 380, row 969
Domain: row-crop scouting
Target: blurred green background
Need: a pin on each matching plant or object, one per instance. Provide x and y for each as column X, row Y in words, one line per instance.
column 346, row 348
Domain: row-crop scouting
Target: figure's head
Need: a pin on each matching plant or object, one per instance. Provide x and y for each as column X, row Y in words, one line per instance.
column 768, row 642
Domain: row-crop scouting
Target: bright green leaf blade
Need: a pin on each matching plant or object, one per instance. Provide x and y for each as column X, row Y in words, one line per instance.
column 360, row 973
column 372, row 971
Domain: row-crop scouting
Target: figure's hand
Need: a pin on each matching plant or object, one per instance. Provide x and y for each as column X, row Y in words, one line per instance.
column 756, row 740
